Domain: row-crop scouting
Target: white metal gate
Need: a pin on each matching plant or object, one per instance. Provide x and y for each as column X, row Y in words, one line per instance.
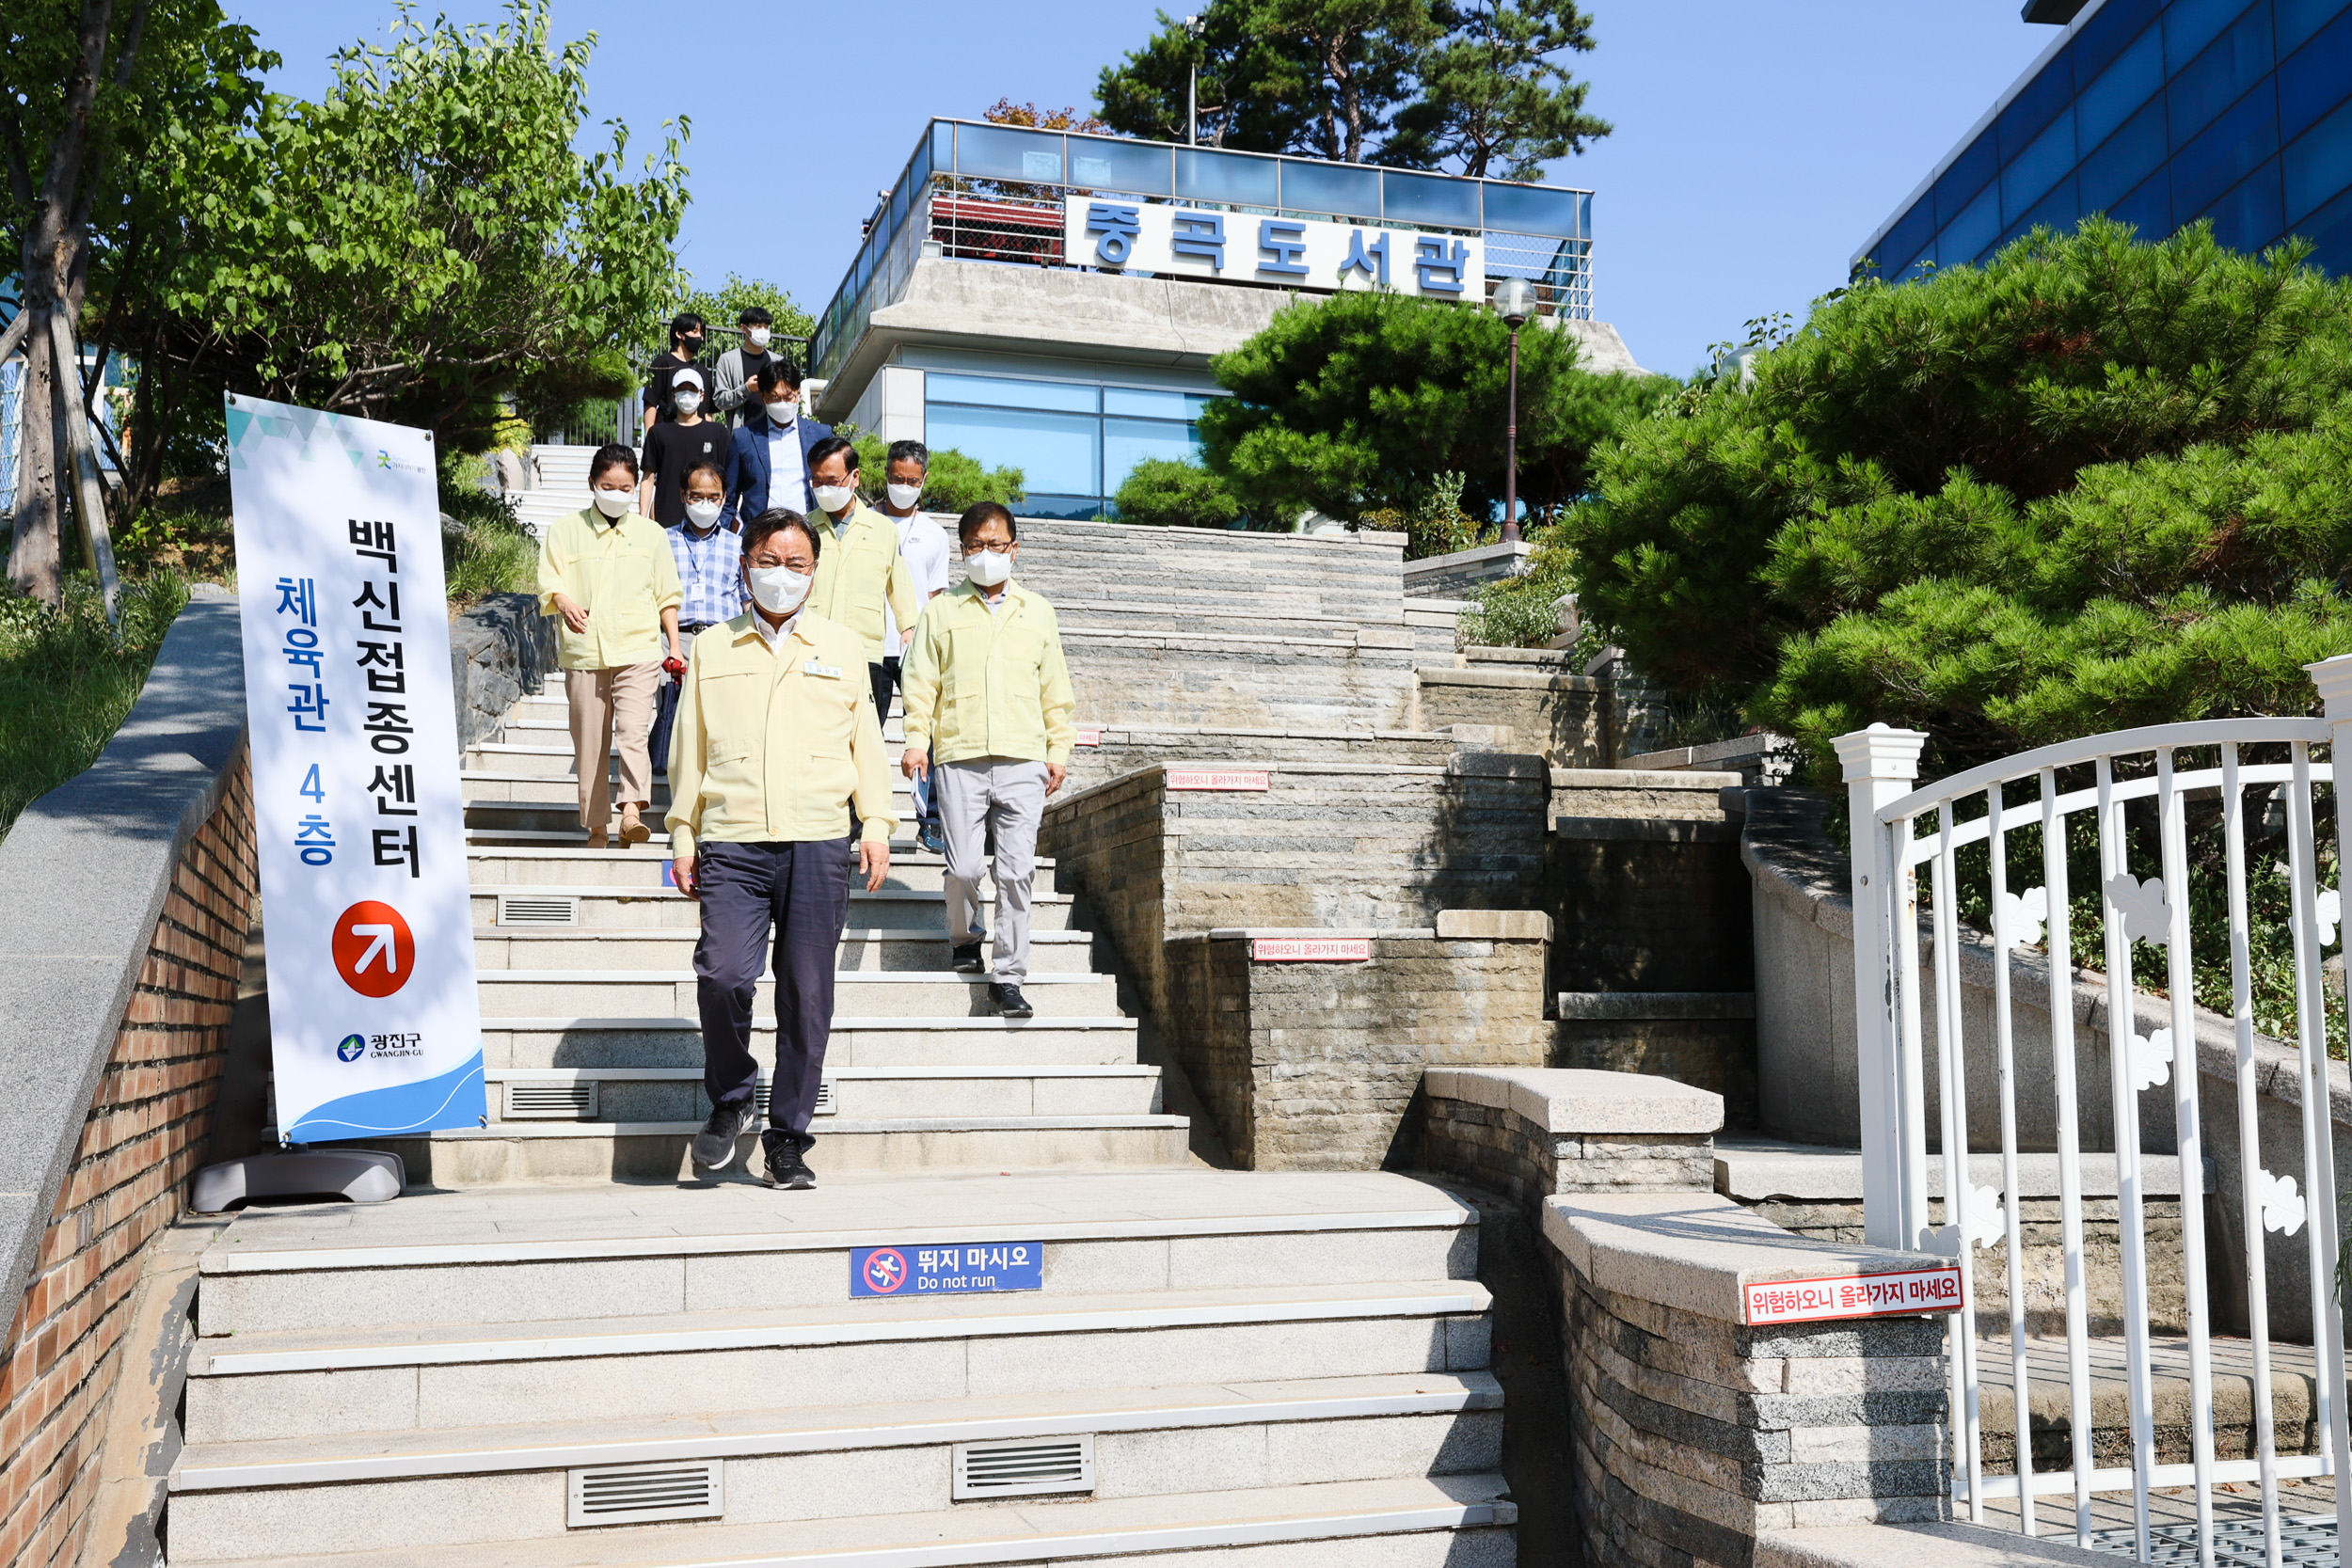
column 1899, row 833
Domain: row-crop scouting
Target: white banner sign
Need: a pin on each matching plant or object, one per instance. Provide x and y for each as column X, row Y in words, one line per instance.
column 1300, row 253
column 375, row 1026
column 1912, row 1293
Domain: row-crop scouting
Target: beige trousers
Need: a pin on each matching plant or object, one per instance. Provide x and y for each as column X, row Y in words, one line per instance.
column 611, row 707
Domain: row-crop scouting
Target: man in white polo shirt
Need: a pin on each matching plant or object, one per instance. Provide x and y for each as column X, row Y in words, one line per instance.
column 923, row 544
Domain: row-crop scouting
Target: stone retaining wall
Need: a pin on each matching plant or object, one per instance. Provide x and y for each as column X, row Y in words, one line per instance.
column 1550, row 710
column 498, row 650
column 1535, row 1134
column 1311, row 1065
column 114, row 1025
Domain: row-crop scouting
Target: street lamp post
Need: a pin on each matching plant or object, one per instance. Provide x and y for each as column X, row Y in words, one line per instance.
column 1192, row 86
column 1515, row 302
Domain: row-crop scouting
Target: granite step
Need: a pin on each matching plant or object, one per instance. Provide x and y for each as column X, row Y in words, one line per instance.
column 605, row 907
column 538, row 992
column 445, row 1258
column 505, row 1484
column 863, row 1042
column 1404, row 1522
column 636, row 1096
column 277, row 1383
column 862, row 950
column 646, row 866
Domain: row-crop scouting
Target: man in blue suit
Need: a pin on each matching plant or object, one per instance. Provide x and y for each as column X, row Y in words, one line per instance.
column 768, row 465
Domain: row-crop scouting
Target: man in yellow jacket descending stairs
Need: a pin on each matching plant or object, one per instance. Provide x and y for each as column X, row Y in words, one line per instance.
column 988, row 706
column 776, row 736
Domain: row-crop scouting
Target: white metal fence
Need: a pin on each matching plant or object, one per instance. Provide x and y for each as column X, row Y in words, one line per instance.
column 1909, row 846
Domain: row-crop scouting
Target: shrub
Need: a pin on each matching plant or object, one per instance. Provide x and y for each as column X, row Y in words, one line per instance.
column 1163, row 492
column 68, row 681
column 955, row 482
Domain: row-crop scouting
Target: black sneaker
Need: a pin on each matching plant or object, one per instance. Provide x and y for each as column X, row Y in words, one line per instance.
column 786, row 1166
column 1010, row 1002
column 966, row 958
column 714, row 1146
column 930, row 839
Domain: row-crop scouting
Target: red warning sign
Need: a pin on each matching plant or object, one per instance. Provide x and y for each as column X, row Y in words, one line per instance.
column 373, row 950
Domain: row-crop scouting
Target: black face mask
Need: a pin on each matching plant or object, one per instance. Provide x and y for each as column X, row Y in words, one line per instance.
column 689, row 347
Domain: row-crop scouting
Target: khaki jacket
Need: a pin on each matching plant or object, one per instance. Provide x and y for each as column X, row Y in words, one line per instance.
column 857, row 572
column 983, row 683
column 773, row 743
column 622, row 573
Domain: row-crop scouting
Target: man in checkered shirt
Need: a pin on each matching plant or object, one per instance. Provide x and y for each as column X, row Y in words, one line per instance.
column 709, row 555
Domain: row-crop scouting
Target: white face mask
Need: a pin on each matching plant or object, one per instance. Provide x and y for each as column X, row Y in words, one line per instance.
column 780, row 589
column 987, row 568
column 686, row 400
column 834, row 498
column 904, row 495
column 613, row 503
column 758, row 335
column 703, row 513
column 783, row 412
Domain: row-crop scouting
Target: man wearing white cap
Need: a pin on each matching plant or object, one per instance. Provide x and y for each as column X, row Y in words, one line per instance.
column 677, row 444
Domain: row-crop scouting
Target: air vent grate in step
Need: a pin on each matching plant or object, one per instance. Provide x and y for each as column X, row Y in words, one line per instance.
column 537, row 908
column 824, row 1100
column 640, row 1493
column 1024, row 1467
column 559, row 1099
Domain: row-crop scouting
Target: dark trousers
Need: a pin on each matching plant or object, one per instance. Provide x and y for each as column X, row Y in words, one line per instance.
column 665, row 705
column 884, row 676
column 803, row 890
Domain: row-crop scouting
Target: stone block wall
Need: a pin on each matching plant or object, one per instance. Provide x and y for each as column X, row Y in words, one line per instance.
column 1311, row 1065
column 1331, row 845
column 1546, row 707
column 1532, row 1133
column 1127, row 748
column 1245, row 672
column 145, row 1135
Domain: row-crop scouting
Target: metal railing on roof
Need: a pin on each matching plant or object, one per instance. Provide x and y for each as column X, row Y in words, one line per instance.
column 995, row 192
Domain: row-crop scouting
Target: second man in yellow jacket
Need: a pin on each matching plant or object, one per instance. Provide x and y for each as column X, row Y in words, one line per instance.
column 988, row 718
column 862, row 568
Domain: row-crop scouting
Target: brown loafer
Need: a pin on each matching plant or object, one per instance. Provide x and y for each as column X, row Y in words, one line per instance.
column 634, row 829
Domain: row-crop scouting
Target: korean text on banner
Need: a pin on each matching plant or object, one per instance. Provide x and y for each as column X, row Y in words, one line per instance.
column 375, row 1026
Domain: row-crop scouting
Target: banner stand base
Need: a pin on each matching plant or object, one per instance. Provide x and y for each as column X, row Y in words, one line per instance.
column 361, row 1175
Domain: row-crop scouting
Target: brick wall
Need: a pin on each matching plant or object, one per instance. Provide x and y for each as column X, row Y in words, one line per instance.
column 144, row 1134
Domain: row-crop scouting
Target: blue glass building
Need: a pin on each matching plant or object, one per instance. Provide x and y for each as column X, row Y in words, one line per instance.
column 2158, row 112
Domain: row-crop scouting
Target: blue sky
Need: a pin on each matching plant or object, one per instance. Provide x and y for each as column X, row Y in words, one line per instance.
column 1756, row 144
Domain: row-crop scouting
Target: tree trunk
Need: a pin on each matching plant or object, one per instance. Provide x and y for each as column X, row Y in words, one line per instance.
column 35, row 559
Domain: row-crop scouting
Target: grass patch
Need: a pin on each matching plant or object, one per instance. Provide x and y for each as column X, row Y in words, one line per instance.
column 67, row 682
column 489, row 551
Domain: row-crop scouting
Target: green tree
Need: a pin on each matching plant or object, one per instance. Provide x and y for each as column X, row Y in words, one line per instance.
column 425, row 240
column 1166, row 492
column 1359, row 401
column 109, row 117
column 1318, row 77
column 1495, row 100
column 2093, row 483
column 954, row 483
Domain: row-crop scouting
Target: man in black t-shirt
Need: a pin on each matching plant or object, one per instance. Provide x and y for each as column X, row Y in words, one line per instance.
column 686, row 348
column 681, row 438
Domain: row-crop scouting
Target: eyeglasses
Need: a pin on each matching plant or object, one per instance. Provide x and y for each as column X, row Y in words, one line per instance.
column 993, row 548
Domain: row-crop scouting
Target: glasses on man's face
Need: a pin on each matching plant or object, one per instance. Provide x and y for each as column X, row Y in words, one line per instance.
column 990, row 547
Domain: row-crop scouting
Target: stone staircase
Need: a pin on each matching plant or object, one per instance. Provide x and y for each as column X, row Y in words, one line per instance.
column 560, row 487
column 564, row 1346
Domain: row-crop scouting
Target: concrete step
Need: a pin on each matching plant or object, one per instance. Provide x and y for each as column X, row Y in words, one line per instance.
column 536, row 992
column 298, row 1498
column 651, row 1252
column 864, row 950
column 1451, row 1521
column 638, row 1095
column 353, row 1379
column 518, row 1153
column 646, row 866
column 921, row 1042
column 547, row 755
column 603, row 908
column 547, row 721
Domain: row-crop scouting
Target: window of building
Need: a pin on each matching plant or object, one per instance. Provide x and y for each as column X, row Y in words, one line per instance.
column 1075, row 442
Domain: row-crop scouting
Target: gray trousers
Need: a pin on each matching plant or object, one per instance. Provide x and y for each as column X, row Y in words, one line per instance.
column 974, row 799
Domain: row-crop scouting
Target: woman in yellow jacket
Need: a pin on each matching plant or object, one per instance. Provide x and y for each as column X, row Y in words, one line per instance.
column 607, row 573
